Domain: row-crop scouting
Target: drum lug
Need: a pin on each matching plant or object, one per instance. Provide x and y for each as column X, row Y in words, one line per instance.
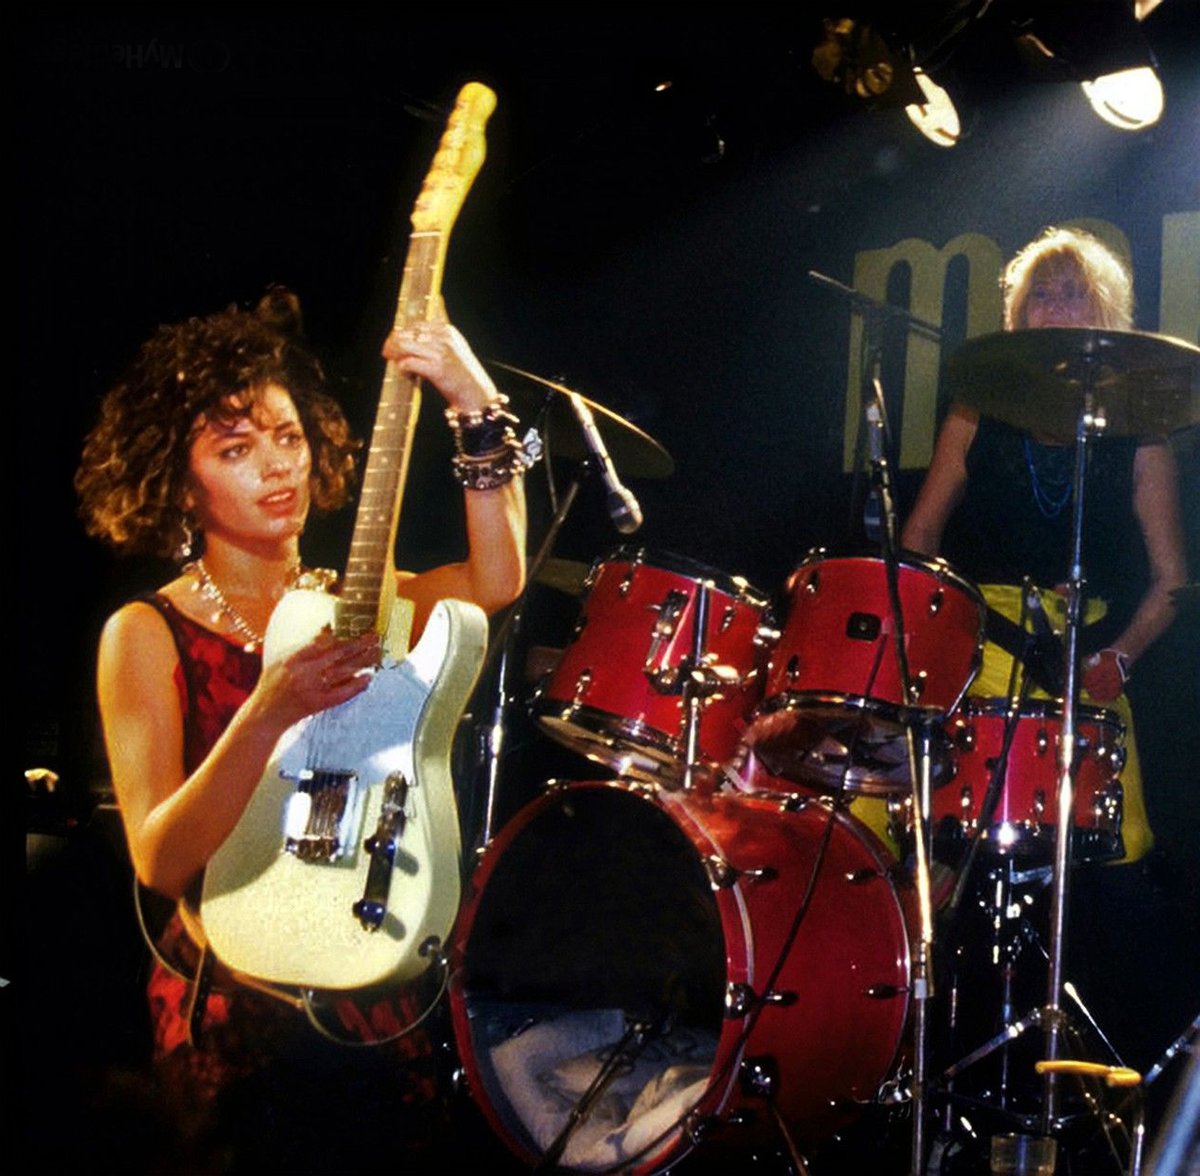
column 722, row 875
column 766, row 636
column 759, row 1077
column 739, row 999
column 936, row 600
column 582, row 684
column 861, row 877
column 883, row 991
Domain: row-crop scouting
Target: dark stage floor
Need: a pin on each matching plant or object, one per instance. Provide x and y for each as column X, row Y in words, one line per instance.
column 87, row 1095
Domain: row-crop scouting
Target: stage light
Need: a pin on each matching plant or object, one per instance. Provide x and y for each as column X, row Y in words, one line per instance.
column 937, row 117
column 1130, row 99
column 1100, row 46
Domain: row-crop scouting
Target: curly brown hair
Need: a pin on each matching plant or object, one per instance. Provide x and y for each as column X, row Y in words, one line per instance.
column 132, row 477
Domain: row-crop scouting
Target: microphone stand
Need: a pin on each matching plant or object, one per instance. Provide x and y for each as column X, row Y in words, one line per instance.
column 874, row 424
column 503, row 643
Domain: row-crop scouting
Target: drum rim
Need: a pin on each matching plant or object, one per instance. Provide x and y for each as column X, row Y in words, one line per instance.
column 736, row 936
column 994, row 706
column 569, row 714
column 694, row 570
column 685, row 812
column 935, row 565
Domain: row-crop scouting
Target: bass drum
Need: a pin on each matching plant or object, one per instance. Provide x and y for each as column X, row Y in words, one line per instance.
column 647, row 929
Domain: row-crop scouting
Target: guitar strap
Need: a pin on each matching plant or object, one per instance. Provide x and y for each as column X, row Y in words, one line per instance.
column 201, row 986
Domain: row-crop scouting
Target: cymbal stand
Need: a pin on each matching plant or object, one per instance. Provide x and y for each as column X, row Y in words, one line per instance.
column 874, row 425
column 1090, row 423
column 503, row 644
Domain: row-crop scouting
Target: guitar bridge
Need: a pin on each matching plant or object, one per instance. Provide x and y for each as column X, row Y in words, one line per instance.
column 320, row 812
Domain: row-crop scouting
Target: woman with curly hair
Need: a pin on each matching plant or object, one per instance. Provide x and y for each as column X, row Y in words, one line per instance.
column 213, row 447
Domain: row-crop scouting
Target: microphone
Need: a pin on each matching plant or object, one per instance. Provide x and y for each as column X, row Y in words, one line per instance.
column 623, row 508
column 873, row 508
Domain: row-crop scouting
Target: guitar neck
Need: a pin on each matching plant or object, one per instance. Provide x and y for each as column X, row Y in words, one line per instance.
column 369, row 586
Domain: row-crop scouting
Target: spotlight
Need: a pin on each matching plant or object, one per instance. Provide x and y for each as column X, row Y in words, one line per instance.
column 936, row 117
column 1100, row 46
column 1130, row 99
column 860, row 60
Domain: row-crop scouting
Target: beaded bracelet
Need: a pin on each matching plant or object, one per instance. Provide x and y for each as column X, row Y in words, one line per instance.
column 484, row 432
column 487, row 471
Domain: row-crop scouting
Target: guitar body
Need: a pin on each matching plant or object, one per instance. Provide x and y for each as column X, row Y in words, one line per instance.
column 282, row 906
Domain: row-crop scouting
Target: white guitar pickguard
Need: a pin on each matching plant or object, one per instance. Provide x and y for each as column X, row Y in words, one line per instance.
column 271, row 914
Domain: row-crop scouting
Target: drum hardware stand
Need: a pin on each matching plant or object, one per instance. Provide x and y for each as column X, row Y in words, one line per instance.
column 637, row 1036
column 1018, row 691
column 698, row 682
column 1091, row 421
column 920, row 762
column 504, row 640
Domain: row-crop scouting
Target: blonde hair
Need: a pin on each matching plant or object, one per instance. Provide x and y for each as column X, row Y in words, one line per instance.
column 1078, row 254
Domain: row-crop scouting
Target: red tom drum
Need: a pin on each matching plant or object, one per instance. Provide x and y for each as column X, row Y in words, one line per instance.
column 602, row 906
column 1025, row 816
column 834, row 713
column 617, row 693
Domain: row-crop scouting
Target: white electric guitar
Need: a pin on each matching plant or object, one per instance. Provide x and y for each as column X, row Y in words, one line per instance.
column 343, row 871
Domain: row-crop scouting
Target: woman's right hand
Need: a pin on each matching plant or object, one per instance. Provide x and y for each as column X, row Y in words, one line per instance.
column 324, row 673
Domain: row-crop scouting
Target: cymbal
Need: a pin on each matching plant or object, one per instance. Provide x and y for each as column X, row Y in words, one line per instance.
column 635, row 454
column 566, row 575
column 1035, row 379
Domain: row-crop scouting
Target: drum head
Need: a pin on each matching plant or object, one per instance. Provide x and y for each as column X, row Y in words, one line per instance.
column 596, row 914
column 608, row 924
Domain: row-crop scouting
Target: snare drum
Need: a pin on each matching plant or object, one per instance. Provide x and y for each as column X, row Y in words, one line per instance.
column 602, row 905
column 617, row 695
column 1025, row 815
column 834, row 713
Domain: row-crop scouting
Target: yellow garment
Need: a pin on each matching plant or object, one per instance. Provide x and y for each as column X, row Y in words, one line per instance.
column 993, row 680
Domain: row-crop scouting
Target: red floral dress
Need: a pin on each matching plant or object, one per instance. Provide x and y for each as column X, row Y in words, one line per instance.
column 245, row 1032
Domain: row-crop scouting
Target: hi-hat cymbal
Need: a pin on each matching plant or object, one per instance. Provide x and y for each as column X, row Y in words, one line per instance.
column 635, row 454
column 1036, row 379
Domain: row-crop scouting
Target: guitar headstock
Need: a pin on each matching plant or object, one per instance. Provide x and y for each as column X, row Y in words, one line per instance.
column 458, row 160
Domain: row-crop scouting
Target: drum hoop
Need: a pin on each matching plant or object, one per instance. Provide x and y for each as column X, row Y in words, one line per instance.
column 607, row 723
column 736, row 937
column 802, row 699
column 682, row 565
column 989, row 707
column 935, row 565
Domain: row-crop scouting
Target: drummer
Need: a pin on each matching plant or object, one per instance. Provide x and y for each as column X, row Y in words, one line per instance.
column 996, row 501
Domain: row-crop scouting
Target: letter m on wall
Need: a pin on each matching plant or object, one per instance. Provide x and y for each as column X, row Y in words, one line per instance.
column 927, row 267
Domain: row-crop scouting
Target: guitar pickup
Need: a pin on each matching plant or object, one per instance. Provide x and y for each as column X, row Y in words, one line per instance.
column 319, row 814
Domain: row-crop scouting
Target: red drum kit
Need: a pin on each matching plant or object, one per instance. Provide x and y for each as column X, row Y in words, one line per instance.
column 709, row 946
column 617, row 695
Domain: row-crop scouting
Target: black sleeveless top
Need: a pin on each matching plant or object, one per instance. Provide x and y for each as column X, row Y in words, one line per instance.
column 1015, row 519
